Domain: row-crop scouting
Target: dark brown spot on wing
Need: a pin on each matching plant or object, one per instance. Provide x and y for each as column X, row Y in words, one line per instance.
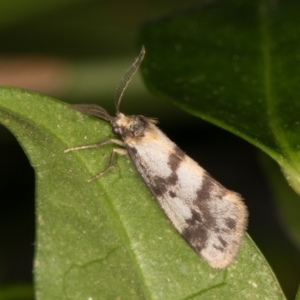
column 195, row 220
column 196, row 234
column 159, row 186
column 172, row 179
column 204, row 222
column 203, row 194
column 222, row 241
column 174, row 161
column 209, row 192
column 175, row 158
column 219, row 248
column 204, row 206
column 209, row 185
column 172, row 194
column 230, row 223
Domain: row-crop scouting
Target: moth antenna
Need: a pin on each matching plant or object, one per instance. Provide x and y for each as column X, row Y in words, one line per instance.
column 92, row 109
column 126, row 79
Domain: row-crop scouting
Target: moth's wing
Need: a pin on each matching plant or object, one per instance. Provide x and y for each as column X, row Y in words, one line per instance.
column 211, row 218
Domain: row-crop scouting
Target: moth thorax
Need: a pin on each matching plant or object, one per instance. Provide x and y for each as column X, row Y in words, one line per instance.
column 131, row 126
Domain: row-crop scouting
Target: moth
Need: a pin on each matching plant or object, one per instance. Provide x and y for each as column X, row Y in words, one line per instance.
column 211, row 218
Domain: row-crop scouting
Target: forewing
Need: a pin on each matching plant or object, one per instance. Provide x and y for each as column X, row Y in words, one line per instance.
column 211, row 218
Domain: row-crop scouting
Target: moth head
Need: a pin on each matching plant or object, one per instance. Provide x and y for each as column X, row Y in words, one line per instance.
column 131, row 126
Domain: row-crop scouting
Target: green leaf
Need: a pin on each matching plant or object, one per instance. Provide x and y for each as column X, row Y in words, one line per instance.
column 109, row 239
column 287, row 201
column 237, row 65
column 298, row 294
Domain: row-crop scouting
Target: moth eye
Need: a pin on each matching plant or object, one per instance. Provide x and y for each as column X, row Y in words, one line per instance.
column 116, row 130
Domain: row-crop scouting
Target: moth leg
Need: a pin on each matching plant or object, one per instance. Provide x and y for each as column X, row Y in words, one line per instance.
column 99, row 144
column 111, row 163
column 121, row 151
